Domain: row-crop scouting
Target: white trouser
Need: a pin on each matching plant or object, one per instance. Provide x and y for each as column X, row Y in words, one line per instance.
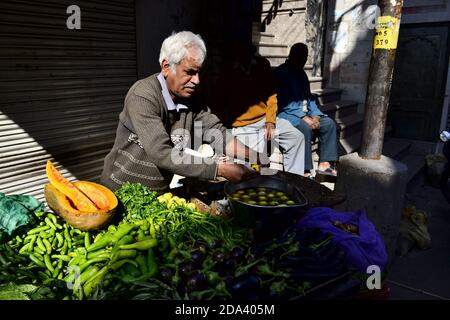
column 289, row 139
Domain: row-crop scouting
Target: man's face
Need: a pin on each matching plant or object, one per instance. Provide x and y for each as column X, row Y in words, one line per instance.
column 183, row 83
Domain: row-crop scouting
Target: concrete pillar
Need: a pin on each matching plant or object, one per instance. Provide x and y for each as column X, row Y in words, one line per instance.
column 376, row 186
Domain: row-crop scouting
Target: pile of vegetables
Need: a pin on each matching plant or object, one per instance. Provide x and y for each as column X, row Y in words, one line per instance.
column 160, row 248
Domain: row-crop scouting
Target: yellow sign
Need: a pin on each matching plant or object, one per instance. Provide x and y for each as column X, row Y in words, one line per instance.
column 386, row 33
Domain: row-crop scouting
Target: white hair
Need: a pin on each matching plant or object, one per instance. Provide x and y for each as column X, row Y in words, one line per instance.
column 176, row 47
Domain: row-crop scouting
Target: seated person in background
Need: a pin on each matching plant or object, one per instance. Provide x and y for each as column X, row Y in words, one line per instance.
column 159, row 121
column 246, row 101
column 297, row 104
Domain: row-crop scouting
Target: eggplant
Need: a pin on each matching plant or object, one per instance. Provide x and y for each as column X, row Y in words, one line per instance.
column 245, row 283
column 197, row 257
column 219, row 256
column 166, row 274
column 196, row 281
column 238, row 254
column 201, row 246
column 186, row 268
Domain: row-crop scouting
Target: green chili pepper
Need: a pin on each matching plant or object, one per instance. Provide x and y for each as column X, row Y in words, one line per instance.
column 152, row 229
column 100, row 244
column 93, row 282
column 142, row 263
column 141, row 245
column 90, row 272
column 97, row 253
column 61, row 257
column 118, row 264
column 89, row 262
column 124, row 254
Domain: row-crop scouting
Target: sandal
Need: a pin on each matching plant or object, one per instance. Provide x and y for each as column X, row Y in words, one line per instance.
column 328, row 171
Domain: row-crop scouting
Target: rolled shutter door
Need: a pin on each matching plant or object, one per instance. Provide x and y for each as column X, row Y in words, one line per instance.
column 61, row 90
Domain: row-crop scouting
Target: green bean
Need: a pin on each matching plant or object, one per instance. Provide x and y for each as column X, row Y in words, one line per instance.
column 48, row 263
column 38, row 250
column 36, row 261
column 50, row 223
column 55, row 273
column 40, row 244
column 87, row 240
column 25, row 249
column 44, row 235
column 60, row 239
column 48, row 245
column 38, row 229
column 19, row 239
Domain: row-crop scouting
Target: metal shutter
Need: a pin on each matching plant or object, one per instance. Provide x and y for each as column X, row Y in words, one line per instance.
column 61, row 90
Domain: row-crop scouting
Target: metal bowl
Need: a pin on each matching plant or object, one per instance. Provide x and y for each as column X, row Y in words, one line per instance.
column 266, row 221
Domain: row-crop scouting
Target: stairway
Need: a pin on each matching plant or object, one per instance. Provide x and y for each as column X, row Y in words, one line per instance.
column 345, row 113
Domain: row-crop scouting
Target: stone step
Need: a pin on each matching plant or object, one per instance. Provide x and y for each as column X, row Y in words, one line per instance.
column 396, row 148
column 339, row 109
column 276, row 60
column 353, row 143
column 263, row 37
column 327, row 95
column 271, row 49
column 349, row 125
column 316, row 83
column 415, row 164
column 281, row 7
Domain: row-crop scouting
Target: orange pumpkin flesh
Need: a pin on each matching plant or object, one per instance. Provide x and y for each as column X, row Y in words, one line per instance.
column 83, row 204
column 61, row 204
column 79, row 200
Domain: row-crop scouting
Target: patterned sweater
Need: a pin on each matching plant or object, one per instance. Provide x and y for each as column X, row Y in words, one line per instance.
column 150, row 139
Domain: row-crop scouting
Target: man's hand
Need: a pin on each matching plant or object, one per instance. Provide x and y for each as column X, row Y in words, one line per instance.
column 235, row 172
column 313, row 123
column 269, row 131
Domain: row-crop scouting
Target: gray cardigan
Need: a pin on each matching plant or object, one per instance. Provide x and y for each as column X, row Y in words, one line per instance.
column 144, row 146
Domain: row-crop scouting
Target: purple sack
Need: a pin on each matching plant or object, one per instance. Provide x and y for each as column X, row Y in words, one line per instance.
column 363, row 250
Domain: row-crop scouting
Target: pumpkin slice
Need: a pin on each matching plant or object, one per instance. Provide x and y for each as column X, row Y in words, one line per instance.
column 79, row 200
column 62, row 206
column 101, row 196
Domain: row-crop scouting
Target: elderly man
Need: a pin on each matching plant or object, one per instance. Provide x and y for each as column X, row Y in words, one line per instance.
column 161, row 119
column 298, row 105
